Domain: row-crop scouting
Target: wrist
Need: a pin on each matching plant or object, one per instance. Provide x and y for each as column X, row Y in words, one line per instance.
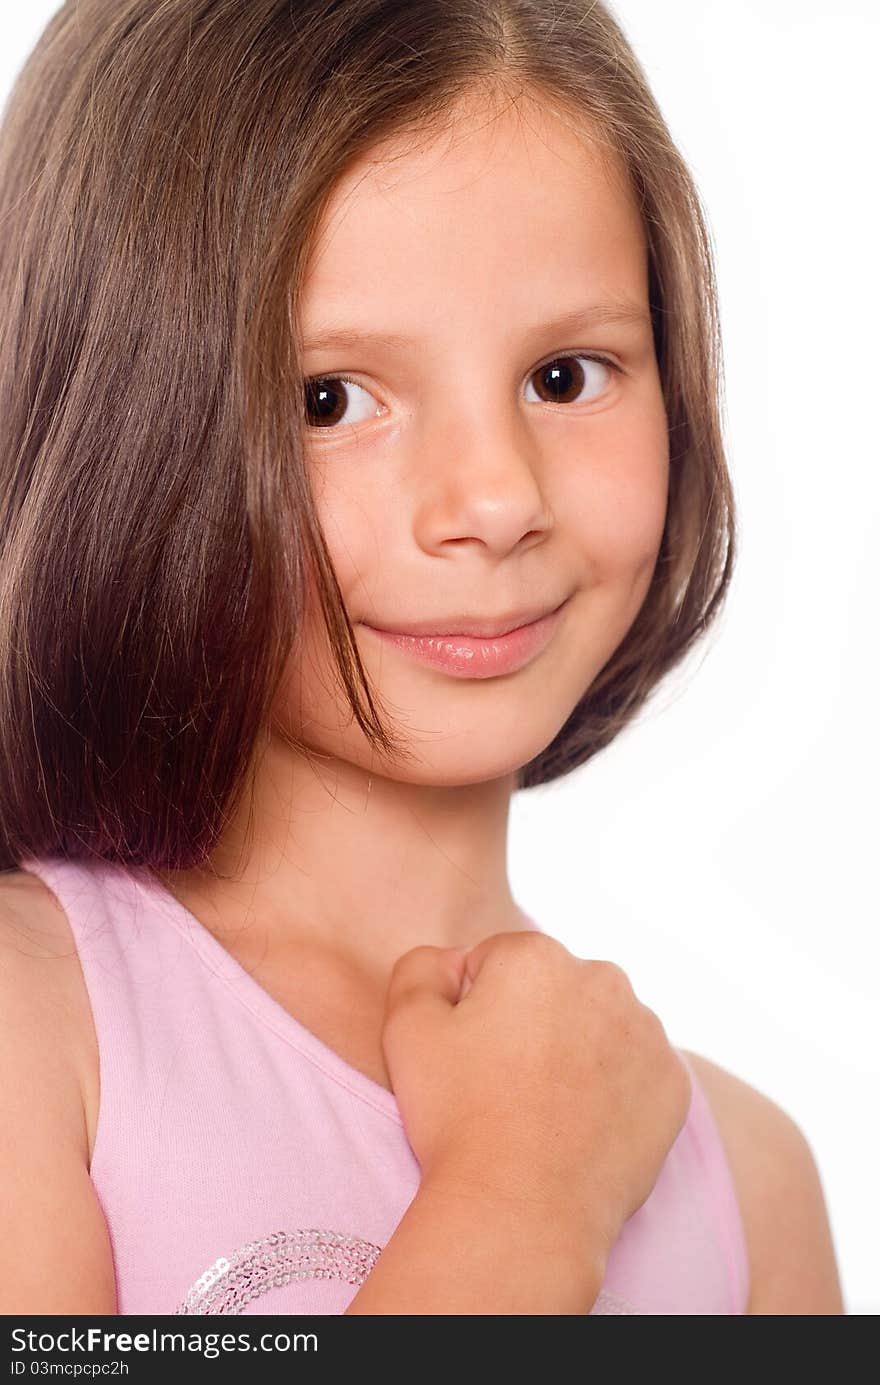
column 558, row 1212
column 459, row 1250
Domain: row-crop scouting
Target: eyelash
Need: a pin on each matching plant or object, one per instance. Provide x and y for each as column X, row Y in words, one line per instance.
column 557, row 356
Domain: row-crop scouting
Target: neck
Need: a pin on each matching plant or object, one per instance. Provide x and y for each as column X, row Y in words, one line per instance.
column 364, row 866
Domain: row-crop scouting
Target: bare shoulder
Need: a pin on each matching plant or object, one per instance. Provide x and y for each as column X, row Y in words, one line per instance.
column 44, row 997
column 791, row 1252
column 55, row 1251
column 33, row 926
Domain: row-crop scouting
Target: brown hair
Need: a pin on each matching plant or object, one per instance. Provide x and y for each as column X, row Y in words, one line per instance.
column 163, row 168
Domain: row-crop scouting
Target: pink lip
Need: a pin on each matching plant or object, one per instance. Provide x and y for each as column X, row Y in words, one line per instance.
column 469, row 656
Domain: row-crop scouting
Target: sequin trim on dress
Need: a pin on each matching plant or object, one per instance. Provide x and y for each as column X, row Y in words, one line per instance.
column 251, row 1271
column 235, row 1279
column 607, row 1303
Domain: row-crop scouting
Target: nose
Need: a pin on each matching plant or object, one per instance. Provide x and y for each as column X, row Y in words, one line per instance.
column 480, row 479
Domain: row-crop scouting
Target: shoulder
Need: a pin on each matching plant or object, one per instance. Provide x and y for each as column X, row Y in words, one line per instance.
column 33, row 925
column 45, row 1016
column 56, row 1255
column 792, row 1263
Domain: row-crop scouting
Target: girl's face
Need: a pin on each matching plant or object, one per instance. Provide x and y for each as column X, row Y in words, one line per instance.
column 499, row 448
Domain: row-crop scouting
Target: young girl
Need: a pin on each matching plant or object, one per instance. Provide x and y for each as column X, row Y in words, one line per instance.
column 361, row 465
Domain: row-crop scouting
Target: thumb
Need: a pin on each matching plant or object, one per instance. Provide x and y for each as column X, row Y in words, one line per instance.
column 427, row 971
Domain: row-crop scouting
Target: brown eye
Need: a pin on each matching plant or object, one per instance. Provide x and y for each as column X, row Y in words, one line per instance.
column 328, row 401
column 564, row 379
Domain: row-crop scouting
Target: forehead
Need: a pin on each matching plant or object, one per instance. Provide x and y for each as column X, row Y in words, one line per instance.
column 496, row 206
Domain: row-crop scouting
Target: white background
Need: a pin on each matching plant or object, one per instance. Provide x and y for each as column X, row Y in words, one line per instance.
column 723, row 850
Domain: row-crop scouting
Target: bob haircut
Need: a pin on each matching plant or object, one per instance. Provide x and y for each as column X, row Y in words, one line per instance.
column 163, row 169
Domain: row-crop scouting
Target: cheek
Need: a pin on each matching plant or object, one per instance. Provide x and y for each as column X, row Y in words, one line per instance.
column 352, row 517
column 614, row 502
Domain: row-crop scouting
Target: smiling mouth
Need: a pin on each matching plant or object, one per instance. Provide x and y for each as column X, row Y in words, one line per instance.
column 453, row 627
column 468, row 655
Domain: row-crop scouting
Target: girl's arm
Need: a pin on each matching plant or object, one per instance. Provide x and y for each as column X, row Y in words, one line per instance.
column 457, row 1251
column 791, row 1252
column 55, row 1255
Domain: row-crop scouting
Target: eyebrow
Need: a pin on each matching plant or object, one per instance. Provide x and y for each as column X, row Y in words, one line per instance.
column 621, row 313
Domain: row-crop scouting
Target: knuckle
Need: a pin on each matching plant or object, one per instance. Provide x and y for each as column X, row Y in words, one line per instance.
column 526, row 941
column 527, row 945
column 653, row 1028
column 540, row 947
column 618, row 977
column 609, row 976
column 650, row 1019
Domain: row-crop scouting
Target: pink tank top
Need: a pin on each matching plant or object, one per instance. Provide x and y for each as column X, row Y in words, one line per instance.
column 244, row 1167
